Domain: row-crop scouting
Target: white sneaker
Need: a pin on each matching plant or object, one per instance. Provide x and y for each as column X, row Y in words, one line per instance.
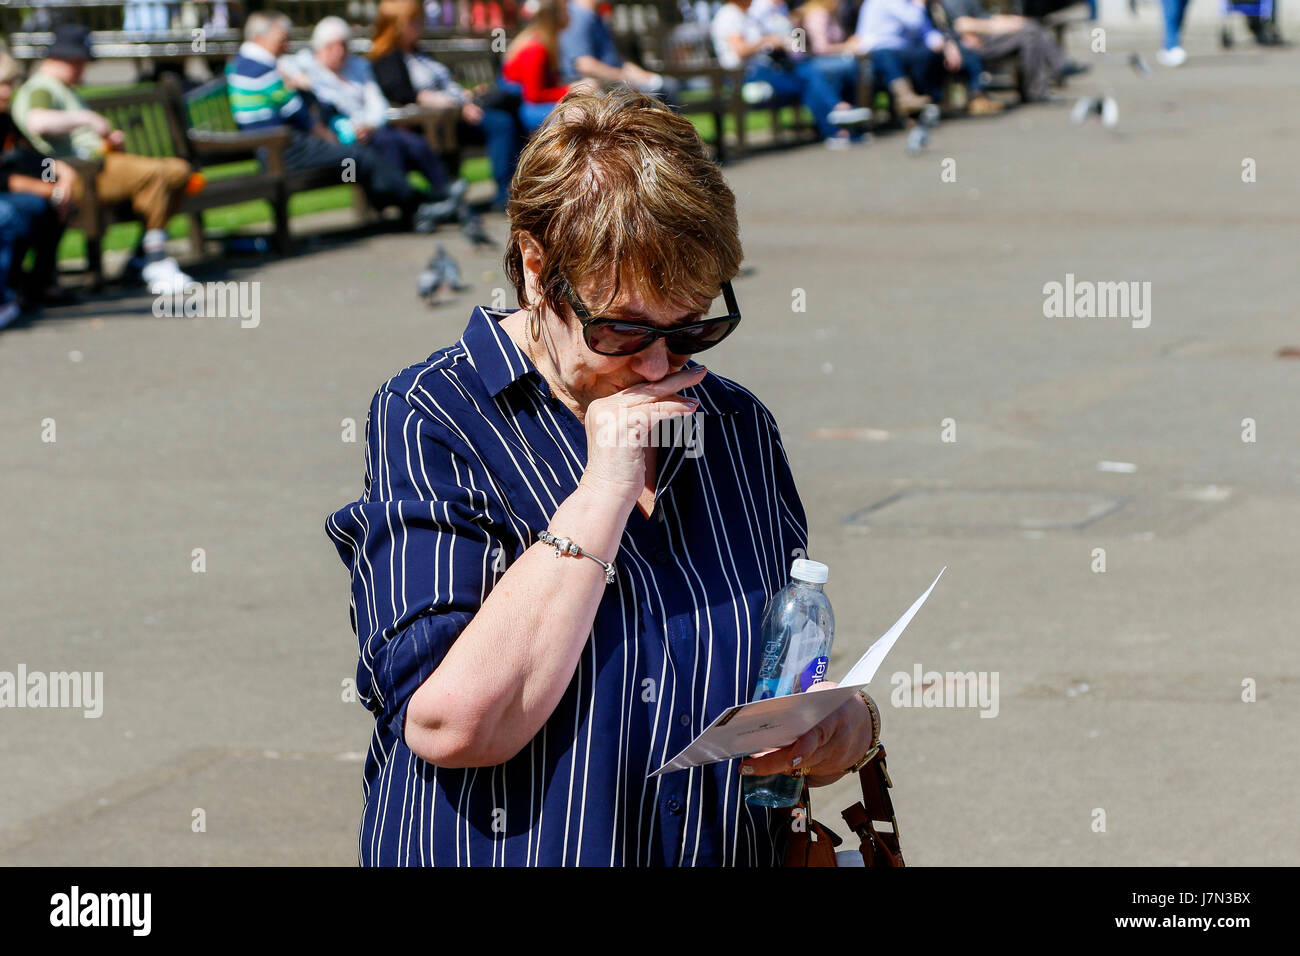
column 1173, row 57
column 8, row 312
column 851, row 116
column 164, row 277
column 1109, row 112
column 757, row 91
column 837, row 142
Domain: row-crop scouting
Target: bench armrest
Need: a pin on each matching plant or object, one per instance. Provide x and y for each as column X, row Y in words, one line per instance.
column 207, row 143
column 437, row 123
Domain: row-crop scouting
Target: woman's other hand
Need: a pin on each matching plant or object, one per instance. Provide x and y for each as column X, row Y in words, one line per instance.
column 619, row 427
column 826, row 751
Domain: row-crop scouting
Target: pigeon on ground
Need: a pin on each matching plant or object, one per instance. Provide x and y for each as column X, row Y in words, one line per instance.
column 442, row 271
column 1103, row 106
column 918, row 137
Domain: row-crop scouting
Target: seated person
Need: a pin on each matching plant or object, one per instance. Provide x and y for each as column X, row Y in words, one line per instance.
column 587, row 50
column 14, row 230
column 740, row 43
column 406, row 76
column 260, row 99
column 59, row 125
column 356, row 110
column 532, row 62
column 913, row 58
column 834, row 60
column 37, row 206
column 1042, row 61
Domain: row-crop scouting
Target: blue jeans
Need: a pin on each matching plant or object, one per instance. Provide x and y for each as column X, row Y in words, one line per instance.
column 411, row 152
column 925, row 69
column 1173, row 10
column 501, row 136
column 383, row 183
column 841, row 72
column 972, row 69
column 533, row 115
column 803, row 82
column 27, row 222
column 919, row 64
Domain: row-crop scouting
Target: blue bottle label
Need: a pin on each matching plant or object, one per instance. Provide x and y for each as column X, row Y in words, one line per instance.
column 766, row 687
column 814, row 673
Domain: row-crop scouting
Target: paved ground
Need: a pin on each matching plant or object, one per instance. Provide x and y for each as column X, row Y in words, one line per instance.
column 1119, row 691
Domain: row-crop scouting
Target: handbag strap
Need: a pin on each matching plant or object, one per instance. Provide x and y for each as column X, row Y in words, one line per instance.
column 879, row 847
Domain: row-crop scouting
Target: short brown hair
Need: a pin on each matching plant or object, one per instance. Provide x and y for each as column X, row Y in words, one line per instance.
column 615, row 184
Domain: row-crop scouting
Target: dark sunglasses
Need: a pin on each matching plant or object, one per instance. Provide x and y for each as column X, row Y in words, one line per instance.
column 607, row 336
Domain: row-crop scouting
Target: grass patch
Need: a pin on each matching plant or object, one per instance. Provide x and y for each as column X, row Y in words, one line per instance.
column 756, row 121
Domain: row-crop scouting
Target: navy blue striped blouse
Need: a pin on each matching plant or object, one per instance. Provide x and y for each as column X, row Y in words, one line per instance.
column 467, row 457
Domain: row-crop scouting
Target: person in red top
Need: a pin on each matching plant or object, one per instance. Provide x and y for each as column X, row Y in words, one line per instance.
column 532, row 62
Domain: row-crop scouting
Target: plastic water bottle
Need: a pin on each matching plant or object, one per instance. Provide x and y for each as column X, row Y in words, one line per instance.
column 798, row 629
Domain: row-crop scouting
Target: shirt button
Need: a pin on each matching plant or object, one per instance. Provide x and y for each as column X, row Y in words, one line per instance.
column 674, row 806
column 684, row 720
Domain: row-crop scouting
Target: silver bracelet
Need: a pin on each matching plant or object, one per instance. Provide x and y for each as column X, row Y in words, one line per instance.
column 567, row 546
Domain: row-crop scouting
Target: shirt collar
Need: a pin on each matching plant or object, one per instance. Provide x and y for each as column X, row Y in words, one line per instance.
column 500, row 363
column 253, row 51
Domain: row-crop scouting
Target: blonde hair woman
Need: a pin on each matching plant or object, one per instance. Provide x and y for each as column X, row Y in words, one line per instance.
column 551, row 600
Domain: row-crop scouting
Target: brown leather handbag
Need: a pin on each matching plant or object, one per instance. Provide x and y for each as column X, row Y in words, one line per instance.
column 811, row 844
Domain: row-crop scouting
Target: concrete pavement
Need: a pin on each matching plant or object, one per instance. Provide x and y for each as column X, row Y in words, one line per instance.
column 1119, row 692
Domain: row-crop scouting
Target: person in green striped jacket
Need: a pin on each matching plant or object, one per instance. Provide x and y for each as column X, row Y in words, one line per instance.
column 261, row 99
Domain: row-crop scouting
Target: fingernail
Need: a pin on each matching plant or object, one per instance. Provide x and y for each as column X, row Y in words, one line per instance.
column 796, row 761
column 747, row 769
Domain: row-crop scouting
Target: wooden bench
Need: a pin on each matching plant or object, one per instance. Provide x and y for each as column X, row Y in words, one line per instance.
column 211, row 130
column 199, row 127
column 191, row 34
column 154, row 124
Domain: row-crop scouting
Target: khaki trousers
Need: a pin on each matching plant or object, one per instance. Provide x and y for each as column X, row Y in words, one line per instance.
column 154, row 186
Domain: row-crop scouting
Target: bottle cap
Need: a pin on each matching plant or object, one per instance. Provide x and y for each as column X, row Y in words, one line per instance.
column 811, row 572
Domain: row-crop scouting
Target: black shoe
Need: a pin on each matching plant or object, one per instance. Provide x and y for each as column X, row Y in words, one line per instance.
column 471, row 224
column 1070, row 69
column 50, row 297
column 133, row 271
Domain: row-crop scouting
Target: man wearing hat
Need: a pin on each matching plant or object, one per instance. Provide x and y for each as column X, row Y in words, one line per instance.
column 57, row 122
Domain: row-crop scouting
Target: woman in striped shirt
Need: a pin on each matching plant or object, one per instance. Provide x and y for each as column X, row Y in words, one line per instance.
column 522, row 697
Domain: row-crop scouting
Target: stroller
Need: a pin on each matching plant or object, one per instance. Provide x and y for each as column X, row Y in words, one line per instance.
column 1261, row 17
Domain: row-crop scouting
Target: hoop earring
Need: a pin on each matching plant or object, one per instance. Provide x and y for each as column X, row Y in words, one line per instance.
column 534, row 326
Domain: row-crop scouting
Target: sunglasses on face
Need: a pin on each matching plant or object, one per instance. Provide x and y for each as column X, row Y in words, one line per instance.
column 607, row 336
